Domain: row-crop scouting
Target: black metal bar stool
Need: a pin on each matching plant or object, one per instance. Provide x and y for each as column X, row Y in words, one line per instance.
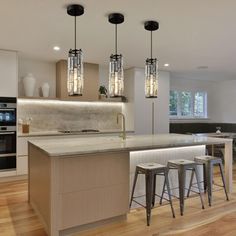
column 208, row 162
column 182, row 166
column 151, row 170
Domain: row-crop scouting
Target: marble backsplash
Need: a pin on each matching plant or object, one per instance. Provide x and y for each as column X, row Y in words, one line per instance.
column 51, row 115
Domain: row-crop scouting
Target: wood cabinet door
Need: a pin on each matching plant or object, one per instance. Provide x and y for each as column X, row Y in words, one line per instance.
column 91, row 82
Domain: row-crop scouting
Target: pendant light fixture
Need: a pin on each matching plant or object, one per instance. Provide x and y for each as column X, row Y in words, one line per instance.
column 151, row 67
column 75, row 77
column 116, row 71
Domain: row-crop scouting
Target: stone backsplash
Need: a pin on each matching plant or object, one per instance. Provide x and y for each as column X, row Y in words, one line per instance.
column 50, row 115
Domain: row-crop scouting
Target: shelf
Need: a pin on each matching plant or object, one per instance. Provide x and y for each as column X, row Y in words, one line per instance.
column 115, row 99
column 44, row 98
column 105, row 100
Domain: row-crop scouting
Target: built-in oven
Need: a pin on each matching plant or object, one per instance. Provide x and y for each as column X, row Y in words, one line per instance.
column 7, row 148
column 7, row 133
column 7, row 111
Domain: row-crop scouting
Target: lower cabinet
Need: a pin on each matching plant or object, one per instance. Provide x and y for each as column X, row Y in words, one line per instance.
column 22, row 165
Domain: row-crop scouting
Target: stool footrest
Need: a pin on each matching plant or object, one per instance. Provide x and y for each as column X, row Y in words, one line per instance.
column 184, row 197
column 165, row 192
column 139, row 203
column 140, row 196
column 163, row 197
column 218, row 185
column 212, row 184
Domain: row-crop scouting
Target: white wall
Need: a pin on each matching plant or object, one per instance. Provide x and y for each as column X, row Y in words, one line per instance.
column 43, row 71
column 221, row 97
column 225, row 99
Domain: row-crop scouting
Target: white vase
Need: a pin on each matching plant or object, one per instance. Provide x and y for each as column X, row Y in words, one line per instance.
column 45, row 89
column 29, row 85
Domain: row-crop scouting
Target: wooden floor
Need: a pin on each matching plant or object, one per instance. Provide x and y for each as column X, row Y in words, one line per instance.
column 18, row 218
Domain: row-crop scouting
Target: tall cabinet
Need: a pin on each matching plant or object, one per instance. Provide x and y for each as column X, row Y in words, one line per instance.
column 8, row 74
column 8, row 84
column 144, row 113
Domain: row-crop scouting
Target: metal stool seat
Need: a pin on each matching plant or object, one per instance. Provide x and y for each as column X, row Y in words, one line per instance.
column 208, row 162
column 182, row 166
column 151, row 170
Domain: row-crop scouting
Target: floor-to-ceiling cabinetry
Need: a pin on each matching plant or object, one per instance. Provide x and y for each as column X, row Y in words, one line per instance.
column 8, row 88
column 144, row 113
column 8, row 73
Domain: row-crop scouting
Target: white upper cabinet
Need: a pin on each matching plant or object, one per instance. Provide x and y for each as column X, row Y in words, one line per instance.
column 8, row 74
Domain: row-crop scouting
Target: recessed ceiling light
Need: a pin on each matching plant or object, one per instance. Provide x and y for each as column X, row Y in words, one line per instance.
column 56, row 48
column 166, row 64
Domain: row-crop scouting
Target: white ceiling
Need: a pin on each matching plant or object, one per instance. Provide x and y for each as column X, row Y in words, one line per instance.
column 192, row 33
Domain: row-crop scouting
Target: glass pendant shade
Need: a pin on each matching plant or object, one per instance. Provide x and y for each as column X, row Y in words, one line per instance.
column 75, row 77
column 116, row 76
column 151, row 78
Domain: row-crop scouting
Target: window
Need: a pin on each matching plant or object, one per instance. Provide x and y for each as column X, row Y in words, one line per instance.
column 185, row 104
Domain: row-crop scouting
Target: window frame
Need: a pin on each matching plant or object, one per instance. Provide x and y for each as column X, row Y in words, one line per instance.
column 192, row 116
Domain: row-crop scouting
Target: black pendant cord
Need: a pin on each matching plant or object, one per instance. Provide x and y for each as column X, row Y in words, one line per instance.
column 116, row 39
column 151, row 44
column 75, row 33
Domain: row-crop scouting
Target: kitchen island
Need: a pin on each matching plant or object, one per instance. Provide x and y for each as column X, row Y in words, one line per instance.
column 76, row 183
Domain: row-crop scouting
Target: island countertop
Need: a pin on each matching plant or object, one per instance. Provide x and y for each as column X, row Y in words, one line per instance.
column 89, row 145
column 66, row 175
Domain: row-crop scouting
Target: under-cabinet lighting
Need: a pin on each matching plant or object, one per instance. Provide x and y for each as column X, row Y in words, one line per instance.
column 174, row 149
column 75, row 103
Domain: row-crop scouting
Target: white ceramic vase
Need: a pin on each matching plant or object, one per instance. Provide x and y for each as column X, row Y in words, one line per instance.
column 45, row 89
column 29, row 85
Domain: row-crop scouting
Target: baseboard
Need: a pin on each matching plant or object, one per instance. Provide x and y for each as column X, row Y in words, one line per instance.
column 13, row 178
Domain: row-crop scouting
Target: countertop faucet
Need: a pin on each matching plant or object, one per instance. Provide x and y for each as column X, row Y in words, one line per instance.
column 123, row 134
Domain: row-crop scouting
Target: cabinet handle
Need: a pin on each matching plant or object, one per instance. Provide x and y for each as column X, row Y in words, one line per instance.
column 7, row 109
column 5, row 133
column 8, row 155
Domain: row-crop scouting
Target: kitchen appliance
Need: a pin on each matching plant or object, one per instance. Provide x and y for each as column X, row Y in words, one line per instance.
column 7, row 133
column 7, row 111
column 79, row 131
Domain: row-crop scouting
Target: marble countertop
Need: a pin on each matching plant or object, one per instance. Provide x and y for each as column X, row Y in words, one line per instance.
column 90, row 145
column 56, row 133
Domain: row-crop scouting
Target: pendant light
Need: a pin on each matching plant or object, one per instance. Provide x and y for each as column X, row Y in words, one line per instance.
column 75, row 77
column 116, row 71
column 151, row 67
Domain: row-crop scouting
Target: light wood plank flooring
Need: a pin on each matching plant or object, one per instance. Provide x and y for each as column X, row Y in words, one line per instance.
column 18, row 218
